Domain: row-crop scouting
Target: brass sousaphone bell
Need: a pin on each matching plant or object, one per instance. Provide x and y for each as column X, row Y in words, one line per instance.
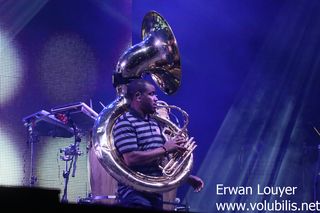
column 157, row 54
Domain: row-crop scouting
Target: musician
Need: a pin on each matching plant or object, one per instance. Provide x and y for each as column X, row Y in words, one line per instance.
column 139, row 140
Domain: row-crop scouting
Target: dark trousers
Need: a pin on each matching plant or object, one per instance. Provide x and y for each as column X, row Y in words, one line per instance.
column 142, row 200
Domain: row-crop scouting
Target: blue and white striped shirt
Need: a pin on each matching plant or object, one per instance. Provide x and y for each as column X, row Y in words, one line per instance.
column 131, row 132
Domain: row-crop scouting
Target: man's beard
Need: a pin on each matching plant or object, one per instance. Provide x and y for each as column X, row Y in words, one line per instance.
column 150, row 110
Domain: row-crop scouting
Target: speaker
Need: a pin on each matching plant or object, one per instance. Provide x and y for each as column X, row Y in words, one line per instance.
column 26, row 197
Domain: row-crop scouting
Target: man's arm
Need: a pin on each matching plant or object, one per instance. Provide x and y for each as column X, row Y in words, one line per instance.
column 136, row 158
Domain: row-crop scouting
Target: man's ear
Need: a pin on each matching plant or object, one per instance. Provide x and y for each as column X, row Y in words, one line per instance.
column 138, row 96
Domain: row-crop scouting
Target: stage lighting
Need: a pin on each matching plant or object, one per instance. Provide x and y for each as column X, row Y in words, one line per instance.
column 10, row 69
column 11, row 168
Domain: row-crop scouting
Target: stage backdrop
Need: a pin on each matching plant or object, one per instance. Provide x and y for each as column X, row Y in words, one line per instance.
column 54, row 53
column 250, row 83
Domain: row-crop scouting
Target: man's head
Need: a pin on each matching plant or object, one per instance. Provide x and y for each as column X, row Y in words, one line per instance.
column 142, row 97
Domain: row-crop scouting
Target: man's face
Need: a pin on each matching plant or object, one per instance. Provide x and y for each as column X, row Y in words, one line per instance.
column 149, row 100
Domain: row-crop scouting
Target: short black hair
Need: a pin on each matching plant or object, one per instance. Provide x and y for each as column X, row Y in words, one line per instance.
column 137, row 85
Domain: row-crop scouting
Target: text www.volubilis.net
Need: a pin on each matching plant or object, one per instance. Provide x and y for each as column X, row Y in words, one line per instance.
column 276, row 206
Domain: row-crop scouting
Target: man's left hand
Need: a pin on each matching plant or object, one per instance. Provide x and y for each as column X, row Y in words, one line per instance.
column 196, row 183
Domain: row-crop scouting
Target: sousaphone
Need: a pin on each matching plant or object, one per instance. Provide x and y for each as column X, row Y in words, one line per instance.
column 157, row 54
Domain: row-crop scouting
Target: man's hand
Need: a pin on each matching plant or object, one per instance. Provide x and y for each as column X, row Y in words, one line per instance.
column 177, row 144
column 196, row 183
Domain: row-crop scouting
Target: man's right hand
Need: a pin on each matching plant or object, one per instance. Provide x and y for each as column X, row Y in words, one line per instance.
column 174, row 145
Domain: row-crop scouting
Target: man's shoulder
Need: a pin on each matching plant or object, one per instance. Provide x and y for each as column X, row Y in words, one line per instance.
column 123, row 116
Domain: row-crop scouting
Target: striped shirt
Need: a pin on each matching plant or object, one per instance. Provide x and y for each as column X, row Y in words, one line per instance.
column 131, row 132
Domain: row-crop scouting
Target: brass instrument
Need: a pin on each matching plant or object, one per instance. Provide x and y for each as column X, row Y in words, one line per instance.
column 173, row 131
column 157, row 54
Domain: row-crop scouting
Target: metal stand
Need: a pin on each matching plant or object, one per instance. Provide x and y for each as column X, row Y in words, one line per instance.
column 42, row 123
column 32, row 139
column 71, row 154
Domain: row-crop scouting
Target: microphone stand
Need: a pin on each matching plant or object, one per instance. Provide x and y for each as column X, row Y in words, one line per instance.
column 71, row 154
